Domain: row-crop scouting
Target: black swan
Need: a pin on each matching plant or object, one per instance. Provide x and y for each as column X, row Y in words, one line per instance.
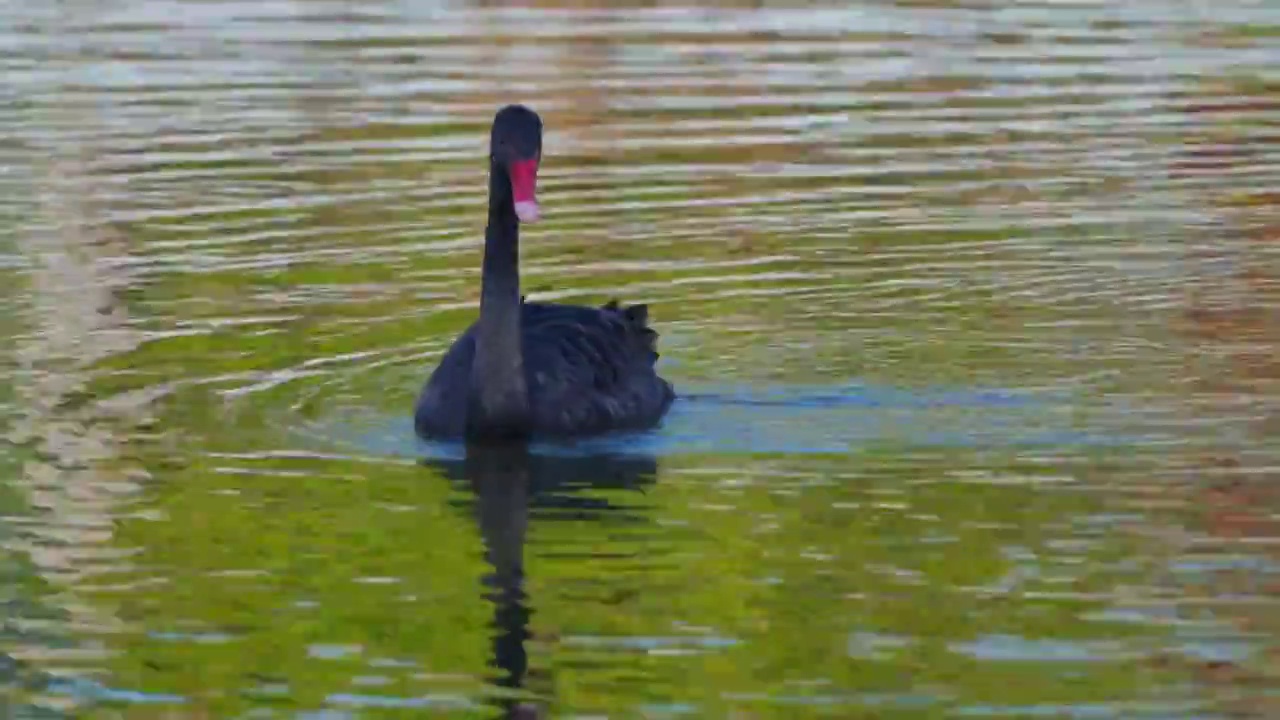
column 525, row 369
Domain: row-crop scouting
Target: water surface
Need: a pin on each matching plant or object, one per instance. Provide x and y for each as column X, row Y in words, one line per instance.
column 972, row 307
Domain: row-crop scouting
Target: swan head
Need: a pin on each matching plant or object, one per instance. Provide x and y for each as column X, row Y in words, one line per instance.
column 515, row 145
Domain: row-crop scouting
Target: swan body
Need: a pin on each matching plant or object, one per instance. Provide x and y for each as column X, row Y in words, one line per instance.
column 586, row 370
column 529, row 369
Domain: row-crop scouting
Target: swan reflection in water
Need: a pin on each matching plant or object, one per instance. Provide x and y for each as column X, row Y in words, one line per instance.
column 506, row 482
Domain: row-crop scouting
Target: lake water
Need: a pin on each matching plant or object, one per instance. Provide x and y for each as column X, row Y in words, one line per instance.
column 974, row 309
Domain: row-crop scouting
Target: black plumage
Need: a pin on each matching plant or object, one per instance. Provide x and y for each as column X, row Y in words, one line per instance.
column 587, row 370
column 529, row 369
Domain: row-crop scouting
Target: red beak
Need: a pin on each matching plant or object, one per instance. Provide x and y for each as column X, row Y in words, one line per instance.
column 524, row 184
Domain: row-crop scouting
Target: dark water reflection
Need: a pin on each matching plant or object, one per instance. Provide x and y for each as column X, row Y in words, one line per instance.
column 972, row 305
column 508, row 483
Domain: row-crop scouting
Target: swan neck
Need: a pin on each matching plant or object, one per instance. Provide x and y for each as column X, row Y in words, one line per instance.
column 499, row 403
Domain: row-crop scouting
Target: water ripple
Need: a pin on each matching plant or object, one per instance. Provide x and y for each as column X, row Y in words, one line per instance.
column 967, row 305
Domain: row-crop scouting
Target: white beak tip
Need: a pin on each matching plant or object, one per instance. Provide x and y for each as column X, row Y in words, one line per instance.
column 527, row 211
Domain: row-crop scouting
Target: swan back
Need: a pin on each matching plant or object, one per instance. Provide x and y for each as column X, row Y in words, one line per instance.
column 588, row 370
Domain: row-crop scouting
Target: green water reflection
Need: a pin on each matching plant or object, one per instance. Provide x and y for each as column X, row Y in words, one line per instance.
column 968, row 305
